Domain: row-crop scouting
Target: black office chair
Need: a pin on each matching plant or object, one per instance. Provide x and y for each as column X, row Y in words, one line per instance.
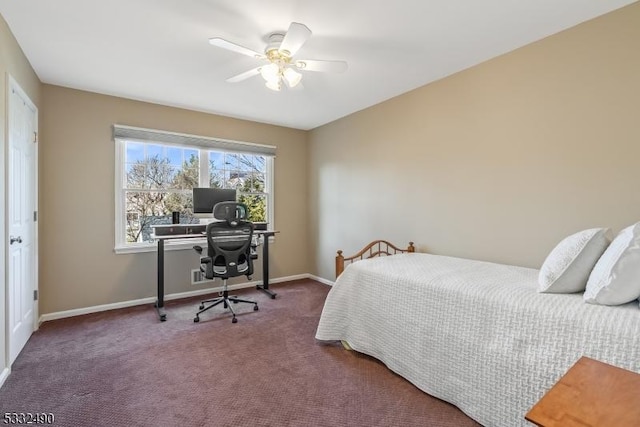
column 229, row 253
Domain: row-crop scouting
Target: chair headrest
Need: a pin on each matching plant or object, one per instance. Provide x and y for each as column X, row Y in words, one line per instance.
column 230, row 211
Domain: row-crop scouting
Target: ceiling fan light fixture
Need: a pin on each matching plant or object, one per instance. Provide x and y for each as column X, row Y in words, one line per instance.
column 270, row 72
column 274, row 85
column 292, row 77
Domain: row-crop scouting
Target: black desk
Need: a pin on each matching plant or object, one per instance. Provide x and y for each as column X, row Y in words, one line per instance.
column 161, row 239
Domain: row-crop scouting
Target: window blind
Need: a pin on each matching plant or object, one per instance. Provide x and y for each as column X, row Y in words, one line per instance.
column 152, row 135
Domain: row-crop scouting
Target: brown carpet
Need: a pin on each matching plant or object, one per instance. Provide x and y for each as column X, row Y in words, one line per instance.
column 125, row 368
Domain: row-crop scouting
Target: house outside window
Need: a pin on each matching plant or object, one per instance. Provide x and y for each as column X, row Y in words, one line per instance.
column 156, row 172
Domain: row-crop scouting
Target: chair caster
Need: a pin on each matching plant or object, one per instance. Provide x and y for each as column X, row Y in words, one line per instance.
column 196, row 319
column 234, row 320
column 255, row 307
column 201, row 306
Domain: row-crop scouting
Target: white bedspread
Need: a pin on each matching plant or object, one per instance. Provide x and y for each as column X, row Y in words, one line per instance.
column 474, row 333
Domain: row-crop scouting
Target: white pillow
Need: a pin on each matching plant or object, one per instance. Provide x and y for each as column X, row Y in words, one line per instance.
column 616, row 277
column 569, row 264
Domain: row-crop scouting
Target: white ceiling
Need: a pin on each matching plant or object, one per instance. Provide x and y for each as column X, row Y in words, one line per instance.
column 158, row 50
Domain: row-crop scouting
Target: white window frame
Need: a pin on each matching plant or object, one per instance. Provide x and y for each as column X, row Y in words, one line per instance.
column 122, row 134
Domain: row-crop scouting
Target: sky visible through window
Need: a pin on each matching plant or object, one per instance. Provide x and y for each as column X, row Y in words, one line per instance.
column 175, row 155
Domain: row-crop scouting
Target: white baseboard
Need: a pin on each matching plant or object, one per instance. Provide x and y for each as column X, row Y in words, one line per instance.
column 4, row 375
column 320, row 279
column 169, row 297
column 290, row 278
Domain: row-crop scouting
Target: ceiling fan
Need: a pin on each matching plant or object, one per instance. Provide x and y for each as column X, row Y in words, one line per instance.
column 281, row 66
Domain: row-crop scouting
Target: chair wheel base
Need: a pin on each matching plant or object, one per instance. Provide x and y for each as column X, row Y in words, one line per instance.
column 225, row 301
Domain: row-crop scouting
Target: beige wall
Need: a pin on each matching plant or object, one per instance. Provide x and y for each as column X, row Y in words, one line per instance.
column 498, row 162
column 13, row 62
column 78, row 267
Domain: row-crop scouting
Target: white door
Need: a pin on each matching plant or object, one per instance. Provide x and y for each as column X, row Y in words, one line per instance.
column 21, row 249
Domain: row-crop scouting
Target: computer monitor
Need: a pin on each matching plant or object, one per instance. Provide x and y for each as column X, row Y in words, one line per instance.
column 204, row 199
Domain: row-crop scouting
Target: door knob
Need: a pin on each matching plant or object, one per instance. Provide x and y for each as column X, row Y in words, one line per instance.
column 12, row 240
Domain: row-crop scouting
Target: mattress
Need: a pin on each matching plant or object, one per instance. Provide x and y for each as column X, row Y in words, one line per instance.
column 473, row 333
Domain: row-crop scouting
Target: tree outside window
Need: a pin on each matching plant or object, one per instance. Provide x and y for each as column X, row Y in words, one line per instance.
column 247, row 175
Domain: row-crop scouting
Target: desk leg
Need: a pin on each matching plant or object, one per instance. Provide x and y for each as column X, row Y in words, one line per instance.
column 160, row 301
column 265, row 268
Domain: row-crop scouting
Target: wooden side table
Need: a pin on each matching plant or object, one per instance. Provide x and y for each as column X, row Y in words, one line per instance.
column 590, row 394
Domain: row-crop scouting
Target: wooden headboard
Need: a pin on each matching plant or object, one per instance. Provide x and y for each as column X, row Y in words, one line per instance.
column 373, row 249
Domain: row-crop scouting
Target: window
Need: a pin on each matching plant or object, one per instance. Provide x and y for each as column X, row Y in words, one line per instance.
column 156, row 172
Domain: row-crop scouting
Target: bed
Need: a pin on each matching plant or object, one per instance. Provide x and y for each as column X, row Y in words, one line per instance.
column 473, row 333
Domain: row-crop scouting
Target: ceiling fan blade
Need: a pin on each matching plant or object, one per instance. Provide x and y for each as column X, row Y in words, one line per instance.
column 217, row 41
column 243, row 76
column 296, row 36
column 322, row 66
